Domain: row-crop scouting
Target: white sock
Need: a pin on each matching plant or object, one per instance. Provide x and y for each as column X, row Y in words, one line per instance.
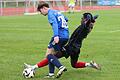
column 35, row 66
column 88, row 65
column 60, row 67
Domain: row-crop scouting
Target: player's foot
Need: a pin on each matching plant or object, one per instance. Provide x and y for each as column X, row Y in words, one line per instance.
column 95, row 65
column 60, row 72
column 49, row 76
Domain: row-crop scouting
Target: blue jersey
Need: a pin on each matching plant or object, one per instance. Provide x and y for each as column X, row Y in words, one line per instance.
column 59, row 23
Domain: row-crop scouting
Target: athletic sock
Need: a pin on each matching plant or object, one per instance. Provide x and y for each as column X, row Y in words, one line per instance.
column 88, row 65
column 51, row 58
column 42, row 63
column 80, row 65
column 61, row 67
column 51, row 68
column 35, row 66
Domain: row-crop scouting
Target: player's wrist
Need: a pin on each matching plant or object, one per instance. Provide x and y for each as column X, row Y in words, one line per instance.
column 56, row 39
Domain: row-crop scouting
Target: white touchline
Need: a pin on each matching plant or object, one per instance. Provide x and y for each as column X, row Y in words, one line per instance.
column 114, row 31
column 109, row 31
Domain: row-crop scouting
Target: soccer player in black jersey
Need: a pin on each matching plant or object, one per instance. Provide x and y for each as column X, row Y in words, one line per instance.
column 72, row 49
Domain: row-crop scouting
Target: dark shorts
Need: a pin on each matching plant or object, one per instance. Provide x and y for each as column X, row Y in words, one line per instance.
column 58, row 46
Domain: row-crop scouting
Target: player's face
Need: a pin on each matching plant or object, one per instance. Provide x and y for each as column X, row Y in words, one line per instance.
column 43, row 11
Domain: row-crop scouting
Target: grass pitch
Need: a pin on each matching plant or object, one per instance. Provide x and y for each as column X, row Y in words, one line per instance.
column 25, row 38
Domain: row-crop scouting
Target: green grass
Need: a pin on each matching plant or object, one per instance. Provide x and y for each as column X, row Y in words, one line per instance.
column 25, row 38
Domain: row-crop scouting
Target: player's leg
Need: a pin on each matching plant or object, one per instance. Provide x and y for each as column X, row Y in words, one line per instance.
column 74, row 60
column 51, row 50
column 73, row 8
column 51, row 71
column 70, row 8
column 59, row 47
column 44, row 62
column 54, row 61
column 79, row 64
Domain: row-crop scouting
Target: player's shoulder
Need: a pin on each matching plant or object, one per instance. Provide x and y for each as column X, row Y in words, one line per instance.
column 53, row 12
column 57, row 12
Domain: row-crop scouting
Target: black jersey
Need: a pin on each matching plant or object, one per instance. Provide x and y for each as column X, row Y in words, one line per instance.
column 75, row 42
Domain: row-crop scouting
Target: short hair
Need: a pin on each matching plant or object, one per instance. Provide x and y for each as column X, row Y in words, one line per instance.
column 41, row 5
column 86, row 15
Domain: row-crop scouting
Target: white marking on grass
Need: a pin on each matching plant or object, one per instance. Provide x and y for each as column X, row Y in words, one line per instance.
column 109, row 31
column 114, row 31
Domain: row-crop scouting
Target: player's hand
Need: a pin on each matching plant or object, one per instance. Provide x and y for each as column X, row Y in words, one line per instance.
column 56, row 39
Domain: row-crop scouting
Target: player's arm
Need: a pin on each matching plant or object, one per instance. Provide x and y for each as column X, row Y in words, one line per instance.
column 54, row 25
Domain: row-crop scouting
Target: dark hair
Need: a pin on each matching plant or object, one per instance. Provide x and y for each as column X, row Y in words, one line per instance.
column 88, row 15
column 41, row 5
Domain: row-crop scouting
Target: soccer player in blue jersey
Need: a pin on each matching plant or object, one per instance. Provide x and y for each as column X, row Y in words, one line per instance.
column 60, row 37
column 72, row 48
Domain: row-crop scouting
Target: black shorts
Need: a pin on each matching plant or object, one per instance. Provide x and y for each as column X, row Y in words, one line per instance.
column 59, row 45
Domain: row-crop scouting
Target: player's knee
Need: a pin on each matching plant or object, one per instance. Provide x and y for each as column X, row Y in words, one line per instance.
column 48, row 54
column 49, row 57
column 49, row 51
column 73, row 65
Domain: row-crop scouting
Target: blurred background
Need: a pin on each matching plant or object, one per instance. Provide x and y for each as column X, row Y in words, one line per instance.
column 28, row 7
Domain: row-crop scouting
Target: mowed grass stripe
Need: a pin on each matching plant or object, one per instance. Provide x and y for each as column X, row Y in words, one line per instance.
column 25, row 38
